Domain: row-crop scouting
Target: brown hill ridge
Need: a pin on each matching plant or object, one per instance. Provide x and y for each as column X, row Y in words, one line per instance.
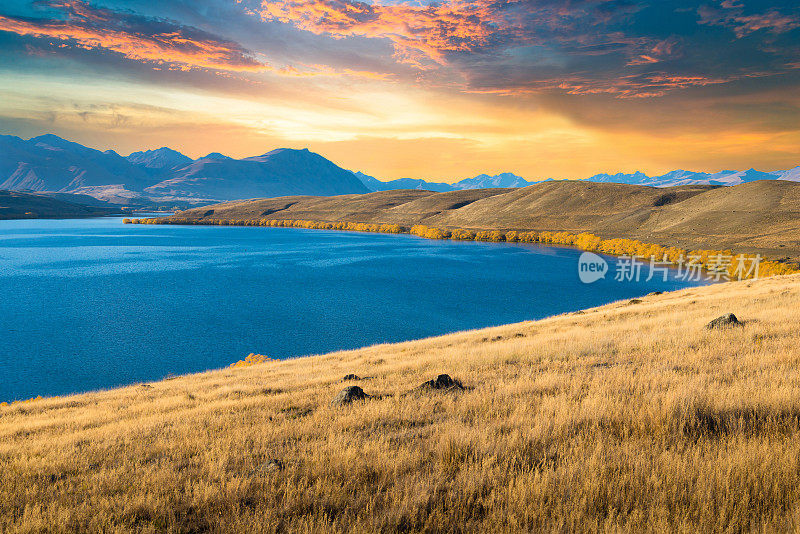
column 16, row 205
column 758, row 217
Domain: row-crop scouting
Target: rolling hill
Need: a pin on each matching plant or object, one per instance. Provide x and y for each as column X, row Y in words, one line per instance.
column 16, row 205
column 757, row 217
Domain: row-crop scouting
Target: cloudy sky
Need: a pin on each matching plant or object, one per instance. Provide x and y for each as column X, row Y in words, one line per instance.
column 394, row 88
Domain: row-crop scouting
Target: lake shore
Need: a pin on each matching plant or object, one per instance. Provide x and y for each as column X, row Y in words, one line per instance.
column 730, row 265
column 699, row 427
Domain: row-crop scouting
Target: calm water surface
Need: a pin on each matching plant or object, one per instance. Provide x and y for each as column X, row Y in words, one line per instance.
column 89, row 304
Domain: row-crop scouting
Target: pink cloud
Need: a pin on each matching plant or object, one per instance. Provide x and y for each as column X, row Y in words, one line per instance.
column 91, row 28
column 420, row 34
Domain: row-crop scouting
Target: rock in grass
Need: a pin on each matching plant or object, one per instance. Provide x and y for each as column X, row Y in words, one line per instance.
column 350, row 376
column 724, row 322
column 442, row 383
column 273, row 465
column 348, row 395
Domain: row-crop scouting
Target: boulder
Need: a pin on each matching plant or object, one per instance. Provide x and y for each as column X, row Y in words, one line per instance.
column 273, row 465
column 348, row 395
column 725, row 321
column 350, row 376
column 442, row 383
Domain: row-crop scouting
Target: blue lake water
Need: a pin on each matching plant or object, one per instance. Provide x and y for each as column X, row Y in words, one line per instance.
column 91, row 304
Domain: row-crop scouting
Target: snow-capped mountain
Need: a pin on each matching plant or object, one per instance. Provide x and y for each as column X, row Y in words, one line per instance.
column 50, row 163
column 483, row 181
column 792, row 174
column 373, row 184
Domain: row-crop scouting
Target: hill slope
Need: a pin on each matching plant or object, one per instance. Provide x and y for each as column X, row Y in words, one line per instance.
column 757, row 217
column 629, row 417
column 15, row 205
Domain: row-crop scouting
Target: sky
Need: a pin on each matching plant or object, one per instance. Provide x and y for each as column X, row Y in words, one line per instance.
column 394, row 88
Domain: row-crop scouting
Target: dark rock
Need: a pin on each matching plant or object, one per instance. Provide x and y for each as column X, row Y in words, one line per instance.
column 273, row 465
column 635, row 301
column 442, row 383
column 348, row 395
column 724, row 322
column 654, row 293
column 350, row 376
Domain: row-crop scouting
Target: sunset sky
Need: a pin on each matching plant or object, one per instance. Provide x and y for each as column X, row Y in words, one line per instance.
column 440, row 91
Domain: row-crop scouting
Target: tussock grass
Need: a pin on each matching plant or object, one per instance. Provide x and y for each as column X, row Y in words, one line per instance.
column 623, row 418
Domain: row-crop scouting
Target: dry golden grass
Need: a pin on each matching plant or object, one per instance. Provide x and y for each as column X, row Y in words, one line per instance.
column 628, row 417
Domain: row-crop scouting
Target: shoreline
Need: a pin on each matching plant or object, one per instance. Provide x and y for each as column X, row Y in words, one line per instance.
column 733, row 264
column 254, row 359
column 257, row 359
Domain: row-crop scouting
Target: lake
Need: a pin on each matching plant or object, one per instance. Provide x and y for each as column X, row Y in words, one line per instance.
column 92, row 303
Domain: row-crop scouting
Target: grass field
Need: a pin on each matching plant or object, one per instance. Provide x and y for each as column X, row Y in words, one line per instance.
column 628, row 417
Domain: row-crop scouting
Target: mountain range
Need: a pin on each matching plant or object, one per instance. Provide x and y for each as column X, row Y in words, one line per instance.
column 670, row 179
column 166, row 177
column 482, row 181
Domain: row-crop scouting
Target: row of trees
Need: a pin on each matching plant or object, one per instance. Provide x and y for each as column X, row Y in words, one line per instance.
column 277, row 223
column 252, row 359
column 5, row 403
column 708, row 259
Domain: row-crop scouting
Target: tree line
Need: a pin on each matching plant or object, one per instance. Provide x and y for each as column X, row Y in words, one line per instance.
column 707, row 259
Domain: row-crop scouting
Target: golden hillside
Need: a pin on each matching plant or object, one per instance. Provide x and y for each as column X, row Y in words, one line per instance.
column 758, row 217
column 627, row 417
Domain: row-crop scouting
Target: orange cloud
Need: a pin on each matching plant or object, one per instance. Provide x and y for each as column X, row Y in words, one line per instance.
column 732, row 15
column 631, row 86
column 165, row 44
column 90, row 29
column 420, row 34
column 772, row 21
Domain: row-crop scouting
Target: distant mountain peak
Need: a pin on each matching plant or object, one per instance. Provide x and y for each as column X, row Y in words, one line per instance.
column 48, row 138
column 54, row 141
column 300, row 152
column 505, row 179
column 160, row 158
column 216, row 156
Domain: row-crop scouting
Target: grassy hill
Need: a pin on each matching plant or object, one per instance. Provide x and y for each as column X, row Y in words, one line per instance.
column 758, row 217
column 627, row 417
column 15, row 205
